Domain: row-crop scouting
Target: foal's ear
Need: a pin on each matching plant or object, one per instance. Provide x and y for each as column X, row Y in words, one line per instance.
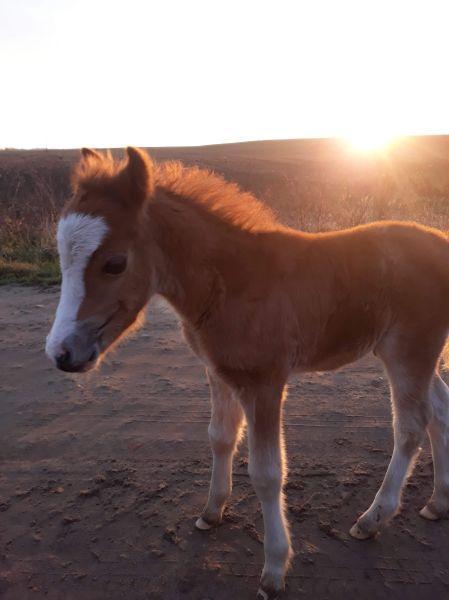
column 139, row 173
column 89, row 153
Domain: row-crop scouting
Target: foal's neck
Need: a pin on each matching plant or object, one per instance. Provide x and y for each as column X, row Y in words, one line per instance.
column 196, row 256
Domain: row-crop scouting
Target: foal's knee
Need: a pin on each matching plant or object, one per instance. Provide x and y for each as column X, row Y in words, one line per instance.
column 266, row 479
column 410, row 431
column 221, row 440
column 409, row 435
column 409, row 442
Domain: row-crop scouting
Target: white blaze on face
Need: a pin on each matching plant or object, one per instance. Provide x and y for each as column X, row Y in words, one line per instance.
column 78, row 237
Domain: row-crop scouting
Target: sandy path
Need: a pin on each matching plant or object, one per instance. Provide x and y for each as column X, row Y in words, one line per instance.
column 103, row 475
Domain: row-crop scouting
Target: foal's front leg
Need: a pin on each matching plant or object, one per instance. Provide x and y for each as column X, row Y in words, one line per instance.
column 267, row 468
column 224, row 433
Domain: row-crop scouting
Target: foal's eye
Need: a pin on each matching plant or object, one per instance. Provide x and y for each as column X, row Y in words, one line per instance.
column 115, row 265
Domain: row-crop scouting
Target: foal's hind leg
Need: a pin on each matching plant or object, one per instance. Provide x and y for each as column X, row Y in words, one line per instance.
column 224, row 433
column 438, row 430
column 410, row 382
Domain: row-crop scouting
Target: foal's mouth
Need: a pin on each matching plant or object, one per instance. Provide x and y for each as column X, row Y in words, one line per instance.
column 99, row 347
column 93, row 359
column 99, row 330
column 83, row 349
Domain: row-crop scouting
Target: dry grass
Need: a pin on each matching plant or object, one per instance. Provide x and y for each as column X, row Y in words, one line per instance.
column 27, row 233
column 28, row 253
column 344, row 209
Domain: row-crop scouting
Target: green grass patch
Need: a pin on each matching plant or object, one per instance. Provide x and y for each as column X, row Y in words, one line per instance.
column 37, row 273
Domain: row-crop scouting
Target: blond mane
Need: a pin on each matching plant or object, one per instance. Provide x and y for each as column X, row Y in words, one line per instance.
column 96, row 171
column 210, row 190
column 222, row 198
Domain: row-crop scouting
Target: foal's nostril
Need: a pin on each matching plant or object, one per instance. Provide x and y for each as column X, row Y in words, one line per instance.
column 63, row 360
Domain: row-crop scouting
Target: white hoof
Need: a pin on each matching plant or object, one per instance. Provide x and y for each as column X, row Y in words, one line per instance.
column 358, row 533
column 426, row 513
column 264, row 594
column 202, row 525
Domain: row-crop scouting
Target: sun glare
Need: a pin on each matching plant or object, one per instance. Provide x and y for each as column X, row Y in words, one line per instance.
column 369, row 141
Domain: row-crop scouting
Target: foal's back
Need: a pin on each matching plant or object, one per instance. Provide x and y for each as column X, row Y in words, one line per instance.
column 349, row 289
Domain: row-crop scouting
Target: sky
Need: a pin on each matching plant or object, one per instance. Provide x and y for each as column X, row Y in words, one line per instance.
column 107, row 73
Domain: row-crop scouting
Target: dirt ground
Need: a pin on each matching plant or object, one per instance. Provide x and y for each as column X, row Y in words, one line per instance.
column 102, row 477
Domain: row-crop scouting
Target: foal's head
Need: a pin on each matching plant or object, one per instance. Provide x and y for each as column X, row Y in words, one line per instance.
column 104, row 257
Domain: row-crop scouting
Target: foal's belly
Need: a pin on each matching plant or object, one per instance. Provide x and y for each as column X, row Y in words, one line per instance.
column 348, row 335
column 333, row 361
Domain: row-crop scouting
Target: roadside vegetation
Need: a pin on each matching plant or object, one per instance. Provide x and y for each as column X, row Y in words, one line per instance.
column 28, row 253
column 33, row 186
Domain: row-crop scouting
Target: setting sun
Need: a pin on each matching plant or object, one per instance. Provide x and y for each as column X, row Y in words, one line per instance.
column 369, row 140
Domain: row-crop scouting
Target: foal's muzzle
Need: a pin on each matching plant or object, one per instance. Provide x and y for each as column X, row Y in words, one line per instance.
column 78, row 352
column 66, row 362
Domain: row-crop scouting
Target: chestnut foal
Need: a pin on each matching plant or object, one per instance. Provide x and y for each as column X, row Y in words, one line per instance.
column 258, row 301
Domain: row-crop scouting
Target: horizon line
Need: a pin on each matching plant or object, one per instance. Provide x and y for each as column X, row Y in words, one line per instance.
column 335, row 138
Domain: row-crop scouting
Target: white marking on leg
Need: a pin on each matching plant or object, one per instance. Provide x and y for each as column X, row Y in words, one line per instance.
column 262, row 594
column 201, row 524
column 224, row 434
column 410, row 402
column 266, row 469
column 438, row 430
column 387, row 499
column 267, row 481
column 78, row 237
